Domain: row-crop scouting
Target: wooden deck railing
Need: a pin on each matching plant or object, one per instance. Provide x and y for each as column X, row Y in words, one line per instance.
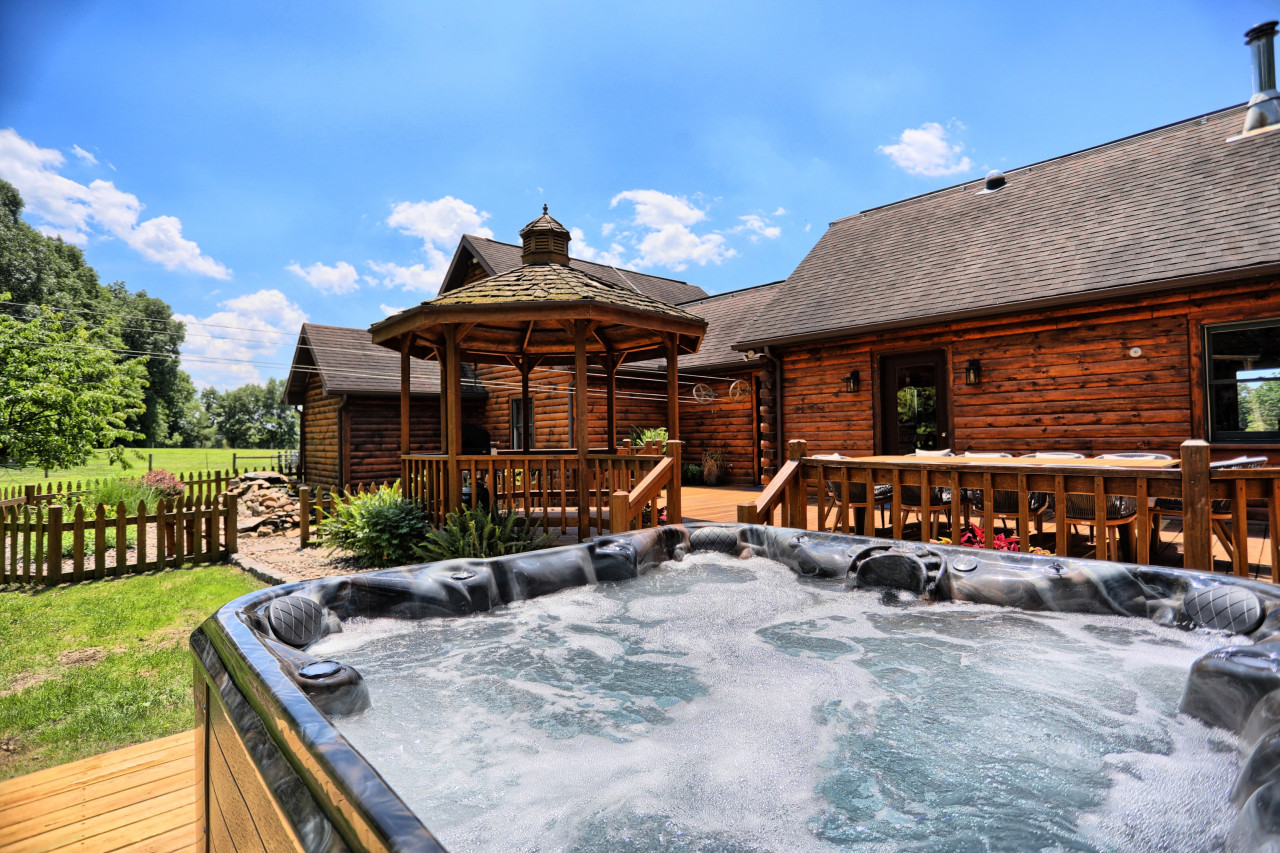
column 35, row 540
column 829, row 483
column 545, row 486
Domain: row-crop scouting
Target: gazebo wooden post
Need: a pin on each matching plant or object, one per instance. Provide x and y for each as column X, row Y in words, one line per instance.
column 404, row 397
column 451, row 381
column 526, row 431
column 580, row 433
column 673, row 389
column 611, row 376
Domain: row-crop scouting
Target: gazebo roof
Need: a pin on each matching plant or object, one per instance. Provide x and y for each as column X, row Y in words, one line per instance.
column 530, row 312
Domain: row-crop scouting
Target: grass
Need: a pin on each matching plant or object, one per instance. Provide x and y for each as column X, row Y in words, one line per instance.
column 98, row 666
column 173, row 459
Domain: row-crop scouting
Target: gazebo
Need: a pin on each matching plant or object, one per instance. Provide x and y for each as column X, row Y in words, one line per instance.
column 543, row 313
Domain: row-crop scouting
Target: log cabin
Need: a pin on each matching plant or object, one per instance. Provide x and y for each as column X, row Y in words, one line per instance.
column 1125, row 297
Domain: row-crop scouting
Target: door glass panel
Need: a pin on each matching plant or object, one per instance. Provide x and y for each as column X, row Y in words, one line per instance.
column 917, row 408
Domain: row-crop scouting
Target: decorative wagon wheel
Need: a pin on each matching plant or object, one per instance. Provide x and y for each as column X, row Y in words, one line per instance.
column 740, row 390
column 703, row 393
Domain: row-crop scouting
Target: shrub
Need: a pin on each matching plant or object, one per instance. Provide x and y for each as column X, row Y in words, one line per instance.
column 714, row 464
column 478, row 532
column 110, row 493
column 381, row 527
column 166, row 485
column 691, row 475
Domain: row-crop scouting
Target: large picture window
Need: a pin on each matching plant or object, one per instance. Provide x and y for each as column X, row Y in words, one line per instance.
column 1242, row 363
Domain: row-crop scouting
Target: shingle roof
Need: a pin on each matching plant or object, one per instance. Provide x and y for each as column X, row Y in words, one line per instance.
column 503, row 257
column 1170, row 203
column 554, row 283
column 730, row 317
column 348, row 362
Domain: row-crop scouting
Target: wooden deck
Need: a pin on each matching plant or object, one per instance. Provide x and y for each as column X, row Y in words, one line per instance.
column 141, row 798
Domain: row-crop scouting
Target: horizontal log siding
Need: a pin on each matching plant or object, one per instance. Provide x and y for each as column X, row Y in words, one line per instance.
column 373, row 433
column 320, row 434
column 1059, row 379
column 639, row 403
column 723, row 425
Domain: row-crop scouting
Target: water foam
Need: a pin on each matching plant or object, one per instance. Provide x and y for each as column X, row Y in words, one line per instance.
column 715, row 705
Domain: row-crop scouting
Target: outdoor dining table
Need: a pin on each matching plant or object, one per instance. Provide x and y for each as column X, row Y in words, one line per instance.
column 1056, row 462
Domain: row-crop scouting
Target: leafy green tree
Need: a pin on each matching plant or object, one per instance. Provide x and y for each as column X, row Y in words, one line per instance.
column 40, row 270
column 253, row 416
column 62, row 393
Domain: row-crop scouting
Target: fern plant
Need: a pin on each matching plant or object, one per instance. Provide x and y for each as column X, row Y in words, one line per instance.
column 478, row 532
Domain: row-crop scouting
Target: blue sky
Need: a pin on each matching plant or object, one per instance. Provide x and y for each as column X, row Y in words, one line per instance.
column 260, row 164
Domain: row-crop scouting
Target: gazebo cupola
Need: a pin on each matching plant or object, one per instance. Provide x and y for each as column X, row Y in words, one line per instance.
column 545, row 241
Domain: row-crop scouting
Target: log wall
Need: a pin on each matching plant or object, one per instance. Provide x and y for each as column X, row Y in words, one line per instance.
column 723, row 425
column 321, row 456
column 1059, row 379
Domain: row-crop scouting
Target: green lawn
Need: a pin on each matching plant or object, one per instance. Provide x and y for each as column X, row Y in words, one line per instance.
column 94, row 667
column 173, row 459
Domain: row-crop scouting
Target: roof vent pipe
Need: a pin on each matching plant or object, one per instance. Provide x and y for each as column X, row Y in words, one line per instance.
column 1264, row 106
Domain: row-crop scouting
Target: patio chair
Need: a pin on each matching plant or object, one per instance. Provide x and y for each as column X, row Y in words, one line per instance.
column 1121, row 517
column 1004, row 505
column 882, row 493
column 939, row 499
column 1220, row 511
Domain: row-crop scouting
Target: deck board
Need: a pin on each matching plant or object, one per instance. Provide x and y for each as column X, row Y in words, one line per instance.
column 141, row 798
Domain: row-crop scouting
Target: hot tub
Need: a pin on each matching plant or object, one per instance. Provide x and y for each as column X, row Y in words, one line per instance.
column 278, row 769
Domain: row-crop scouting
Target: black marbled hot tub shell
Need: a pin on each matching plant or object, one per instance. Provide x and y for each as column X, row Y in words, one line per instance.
column 273, row 698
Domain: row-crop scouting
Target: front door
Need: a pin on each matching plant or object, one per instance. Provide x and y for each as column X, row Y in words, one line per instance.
column 913, row 402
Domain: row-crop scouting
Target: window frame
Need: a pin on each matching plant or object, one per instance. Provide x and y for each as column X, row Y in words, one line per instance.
column 1217, row 436
column 515, row 416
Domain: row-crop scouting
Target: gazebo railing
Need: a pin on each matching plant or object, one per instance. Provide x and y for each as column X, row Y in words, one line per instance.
column 544, row 487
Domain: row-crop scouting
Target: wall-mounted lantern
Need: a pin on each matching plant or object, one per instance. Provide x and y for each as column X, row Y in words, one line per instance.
column 853, row 382
column 973, row 372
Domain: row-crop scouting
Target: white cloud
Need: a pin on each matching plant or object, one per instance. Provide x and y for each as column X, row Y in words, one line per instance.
column 337, row 279
column 613, row 256
column 74, row 212
column 925, row 151
column 759, row 226
column 253, row 327
column 388, row 310
column 781, row 211
column 607, row 229
column 84, row 155
column 417, row 277
column 657, row 210
column 670, row 242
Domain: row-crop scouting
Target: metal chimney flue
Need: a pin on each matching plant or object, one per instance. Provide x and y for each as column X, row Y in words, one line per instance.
column 1264, row 106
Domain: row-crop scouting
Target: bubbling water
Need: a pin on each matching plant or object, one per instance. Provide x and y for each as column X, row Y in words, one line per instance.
column 723, row 705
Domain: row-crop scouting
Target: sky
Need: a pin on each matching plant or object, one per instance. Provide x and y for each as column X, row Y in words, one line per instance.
column 260, row 165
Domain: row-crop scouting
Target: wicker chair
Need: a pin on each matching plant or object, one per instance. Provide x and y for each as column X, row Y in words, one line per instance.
column 939, row 498
column 1220, row 511
column 1004, row 505
column 883, row 495
column 1122, row 512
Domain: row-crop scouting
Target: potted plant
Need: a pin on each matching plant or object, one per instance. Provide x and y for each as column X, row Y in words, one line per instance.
column 715, row 463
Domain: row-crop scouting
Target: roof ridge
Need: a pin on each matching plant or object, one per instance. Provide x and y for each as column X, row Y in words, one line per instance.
column 585, row 261
column 711, row 296
column 1081, row 151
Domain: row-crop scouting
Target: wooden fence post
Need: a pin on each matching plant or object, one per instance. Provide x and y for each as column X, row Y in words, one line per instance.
column 232, row 537
column 674, row 508
column 1197, row 544
column 304, row 516
column 29, row 493
column 797, row 491
column 619, row 510
column 53, row 575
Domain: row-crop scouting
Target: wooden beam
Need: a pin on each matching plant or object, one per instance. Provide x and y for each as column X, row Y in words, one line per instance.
column 1197, row 545
column 404, row 394
column 673, row 390
column 526, row 409
column 580, row 424
column 452, row 389
column 611, row 420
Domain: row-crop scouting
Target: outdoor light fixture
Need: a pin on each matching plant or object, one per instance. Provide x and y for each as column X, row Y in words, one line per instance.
column 973, row 372
column 853, row 382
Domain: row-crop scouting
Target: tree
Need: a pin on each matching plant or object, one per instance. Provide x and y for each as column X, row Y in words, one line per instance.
column 253, row 416
column 62, row 393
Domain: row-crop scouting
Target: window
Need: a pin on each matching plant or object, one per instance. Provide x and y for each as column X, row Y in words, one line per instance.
column 517, row 424
column 1242, row 363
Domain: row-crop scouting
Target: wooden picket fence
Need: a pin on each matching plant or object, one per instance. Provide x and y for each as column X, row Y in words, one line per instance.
column 187, row 532
column 199, row 484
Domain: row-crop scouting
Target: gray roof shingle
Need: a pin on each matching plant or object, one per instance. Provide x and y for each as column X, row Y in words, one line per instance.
column 1170, row 203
